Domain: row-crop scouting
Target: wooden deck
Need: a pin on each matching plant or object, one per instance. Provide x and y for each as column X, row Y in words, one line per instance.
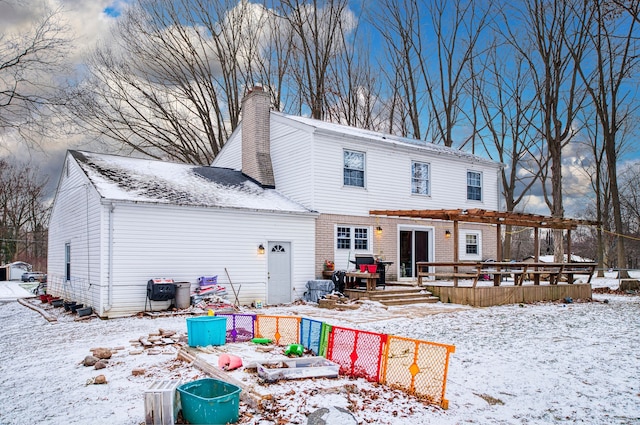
column 486, row 296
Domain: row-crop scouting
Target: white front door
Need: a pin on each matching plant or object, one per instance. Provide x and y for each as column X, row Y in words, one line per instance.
column 279, row 273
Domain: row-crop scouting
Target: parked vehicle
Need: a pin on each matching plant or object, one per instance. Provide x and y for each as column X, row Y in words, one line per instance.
column 33, row 276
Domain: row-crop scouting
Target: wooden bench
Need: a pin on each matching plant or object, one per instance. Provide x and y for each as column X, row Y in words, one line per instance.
column 455, row 273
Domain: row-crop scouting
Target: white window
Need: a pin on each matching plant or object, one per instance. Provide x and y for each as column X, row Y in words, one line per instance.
column 419, row 178
column 352, row 237
column 474, row 186
column 470, row 245
column 353, row 168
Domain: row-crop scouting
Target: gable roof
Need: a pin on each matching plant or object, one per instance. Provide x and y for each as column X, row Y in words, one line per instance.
column 330, row 129
column 152, row 181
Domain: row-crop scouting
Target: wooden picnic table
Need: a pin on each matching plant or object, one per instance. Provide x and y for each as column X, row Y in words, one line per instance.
column 371, row 279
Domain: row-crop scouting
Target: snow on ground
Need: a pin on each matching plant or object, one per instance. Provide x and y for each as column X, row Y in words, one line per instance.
column 544, row 363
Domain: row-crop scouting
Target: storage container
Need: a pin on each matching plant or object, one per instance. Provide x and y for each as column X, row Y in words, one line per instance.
column 209, row 401
column 206, row 330
column 305, row 367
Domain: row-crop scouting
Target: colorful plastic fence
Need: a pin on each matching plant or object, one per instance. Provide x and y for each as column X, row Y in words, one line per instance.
column 417, row 367
column 282, row 330
column 311, row 334
column 240, row 327
column 359, row 353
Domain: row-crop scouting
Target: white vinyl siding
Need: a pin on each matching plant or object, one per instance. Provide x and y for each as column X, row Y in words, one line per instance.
column 75, row 238
column 309, row 168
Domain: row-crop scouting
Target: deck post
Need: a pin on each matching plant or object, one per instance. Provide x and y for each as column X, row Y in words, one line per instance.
column 456, row 238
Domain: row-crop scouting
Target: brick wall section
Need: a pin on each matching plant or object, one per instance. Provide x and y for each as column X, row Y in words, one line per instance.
column 386, row 245
column 256, row 156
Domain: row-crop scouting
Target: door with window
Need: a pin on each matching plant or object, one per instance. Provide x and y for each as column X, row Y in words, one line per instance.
column 414, row 247
column 279, row 273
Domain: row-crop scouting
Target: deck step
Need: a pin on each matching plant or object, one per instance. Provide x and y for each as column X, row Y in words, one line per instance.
column 412, row 300
column 403, row 296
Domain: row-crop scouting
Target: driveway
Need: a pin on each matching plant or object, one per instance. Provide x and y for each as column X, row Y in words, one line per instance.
column 11, row 291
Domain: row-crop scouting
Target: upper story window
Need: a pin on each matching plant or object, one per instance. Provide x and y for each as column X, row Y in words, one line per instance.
column 420, row 178
column 474, row 186
column 351, row 237
column 353, row 168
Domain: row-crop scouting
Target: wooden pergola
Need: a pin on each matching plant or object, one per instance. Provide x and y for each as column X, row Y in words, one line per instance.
column 497, row 218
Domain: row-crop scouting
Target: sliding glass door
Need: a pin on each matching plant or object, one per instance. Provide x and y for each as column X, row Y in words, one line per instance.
column 414, row 246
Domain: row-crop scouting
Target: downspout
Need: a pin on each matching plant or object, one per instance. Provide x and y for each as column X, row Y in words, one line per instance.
column 106, row 308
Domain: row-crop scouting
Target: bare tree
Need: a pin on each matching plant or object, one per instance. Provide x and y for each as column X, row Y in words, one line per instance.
column 508, row 110
column 550, row 34
column 23, row 215
column 29, row 59
column 431, row 53
column 171, row 87
column 319, row 28
column 613, row 39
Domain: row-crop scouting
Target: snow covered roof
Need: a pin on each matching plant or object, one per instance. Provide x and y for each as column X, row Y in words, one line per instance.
column 333, row 128
column 143, row 180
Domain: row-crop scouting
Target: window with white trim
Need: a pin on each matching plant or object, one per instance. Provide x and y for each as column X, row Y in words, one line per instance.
column 419, row 178
column 470, row 245
column 353, row 168
column 474, row 186
column 352, row 237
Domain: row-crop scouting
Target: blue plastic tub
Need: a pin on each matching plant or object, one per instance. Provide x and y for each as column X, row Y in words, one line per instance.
column 210, row 401
column 206, row 330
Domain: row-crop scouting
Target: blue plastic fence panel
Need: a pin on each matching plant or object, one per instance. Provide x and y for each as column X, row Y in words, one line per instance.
column 310, row 334
column 240, row 327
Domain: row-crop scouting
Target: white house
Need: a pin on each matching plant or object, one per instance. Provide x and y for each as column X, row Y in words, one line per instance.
column 298, row 187
column 344, row 172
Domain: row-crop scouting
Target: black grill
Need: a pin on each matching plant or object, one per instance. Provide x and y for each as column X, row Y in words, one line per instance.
column 160, row 291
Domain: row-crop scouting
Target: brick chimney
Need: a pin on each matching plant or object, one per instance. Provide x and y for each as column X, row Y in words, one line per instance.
column 256, row 145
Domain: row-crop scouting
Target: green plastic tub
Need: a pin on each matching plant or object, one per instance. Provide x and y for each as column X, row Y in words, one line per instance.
column 210, row 401
column 206, row 330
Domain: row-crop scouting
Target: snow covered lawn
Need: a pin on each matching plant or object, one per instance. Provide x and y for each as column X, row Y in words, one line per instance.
column 546, row 363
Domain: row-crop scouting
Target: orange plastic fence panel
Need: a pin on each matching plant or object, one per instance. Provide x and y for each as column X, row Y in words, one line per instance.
column 283, row 330
column 417, row 367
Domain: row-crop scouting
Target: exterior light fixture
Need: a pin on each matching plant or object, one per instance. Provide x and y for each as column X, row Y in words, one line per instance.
column 447, row 234
column 260, row 249
column 378, row 230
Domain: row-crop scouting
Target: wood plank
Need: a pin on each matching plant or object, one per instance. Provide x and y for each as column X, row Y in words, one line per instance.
column 249, row 394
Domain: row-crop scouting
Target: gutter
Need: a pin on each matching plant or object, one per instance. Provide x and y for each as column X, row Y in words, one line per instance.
column 107, row 307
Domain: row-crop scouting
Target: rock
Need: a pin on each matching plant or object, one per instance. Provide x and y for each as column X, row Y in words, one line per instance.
column 100, row 379
column 102, row 353
column 100, row 365
column 138, row 372
column 90, row 361
column 331, row 416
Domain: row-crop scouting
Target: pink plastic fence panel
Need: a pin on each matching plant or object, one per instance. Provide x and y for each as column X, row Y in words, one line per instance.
column 359, row 353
